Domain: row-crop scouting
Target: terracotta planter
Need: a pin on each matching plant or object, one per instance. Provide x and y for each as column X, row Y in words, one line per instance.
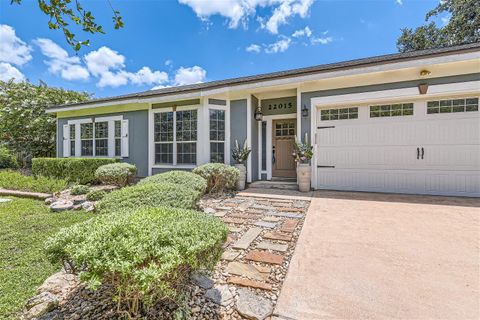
column 243, row 176
column 303, row 177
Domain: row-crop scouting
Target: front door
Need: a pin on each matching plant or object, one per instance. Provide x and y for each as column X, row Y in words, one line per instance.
column 283, row 146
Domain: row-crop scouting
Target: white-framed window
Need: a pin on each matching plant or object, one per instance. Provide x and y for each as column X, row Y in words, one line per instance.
column 217, row 135
column 96, row 137
column 452, row 105
column 391, row 110
column 339, row 114
column 175, row 137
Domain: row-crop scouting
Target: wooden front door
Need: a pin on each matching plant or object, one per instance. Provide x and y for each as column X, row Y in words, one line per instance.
column 283, row 136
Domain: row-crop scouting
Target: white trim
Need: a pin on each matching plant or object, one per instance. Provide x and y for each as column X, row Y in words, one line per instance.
column 249, row 137
column 313, row 139
column 227, row 133
column 176, row 166
column 79, row 121
column 259, row 135
column 226, row 142
column 151, row 142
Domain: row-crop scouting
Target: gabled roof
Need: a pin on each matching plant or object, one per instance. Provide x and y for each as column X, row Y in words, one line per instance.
column 383, row 59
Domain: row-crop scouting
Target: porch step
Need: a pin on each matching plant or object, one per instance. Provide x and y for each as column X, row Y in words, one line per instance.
column 283, row 185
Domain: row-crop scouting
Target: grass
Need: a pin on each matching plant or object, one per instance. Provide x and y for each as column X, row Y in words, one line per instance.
column 25, row 224
column 16, row 181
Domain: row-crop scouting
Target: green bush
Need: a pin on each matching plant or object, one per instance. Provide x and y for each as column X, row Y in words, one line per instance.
column 79, row 189
column 119, row 174
column 220, row 177
column 95, row 195
column 7, row 159
column 77, row 170
column 149, row 195
column 16, row 181
column 182, row 178
column 146, row 256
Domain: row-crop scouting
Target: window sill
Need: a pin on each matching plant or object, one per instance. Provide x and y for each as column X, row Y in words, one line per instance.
column 172, row 166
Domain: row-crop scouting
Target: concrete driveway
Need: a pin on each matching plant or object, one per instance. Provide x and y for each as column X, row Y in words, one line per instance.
column 376, row 256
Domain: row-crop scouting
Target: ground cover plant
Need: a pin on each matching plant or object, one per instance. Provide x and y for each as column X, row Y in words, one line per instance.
column 220, row 177
column 119, row 174
column 7, row 159
column 147, row 255
column 25, row 224
column 182, row 178
column 16, row 181
column 79, row 189
column 95, row 195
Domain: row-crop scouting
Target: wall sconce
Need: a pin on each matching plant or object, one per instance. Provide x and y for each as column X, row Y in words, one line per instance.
column 304, row 111
column 422, row 88
column 258, row 114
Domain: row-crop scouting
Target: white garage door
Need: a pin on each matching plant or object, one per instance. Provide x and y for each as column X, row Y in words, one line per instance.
column 401, row 148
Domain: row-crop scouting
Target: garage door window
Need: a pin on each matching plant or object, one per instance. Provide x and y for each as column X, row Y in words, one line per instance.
column 452, row 105
column 391, row 110
column 339, row 114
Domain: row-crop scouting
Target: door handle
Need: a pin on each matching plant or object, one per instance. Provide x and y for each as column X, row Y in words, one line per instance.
column 423, row 152
column 418, row 153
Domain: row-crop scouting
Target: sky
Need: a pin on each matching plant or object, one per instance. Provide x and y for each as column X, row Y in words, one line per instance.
column 176, row 42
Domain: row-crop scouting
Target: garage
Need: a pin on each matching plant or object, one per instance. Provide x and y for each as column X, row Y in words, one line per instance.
column 428, row 146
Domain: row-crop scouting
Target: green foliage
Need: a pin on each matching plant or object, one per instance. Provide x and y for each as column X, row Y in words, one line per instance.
column 16, row 181
column 24, row 126
column 76, row 170
column 149, row 195
column 95, row 195
column 79, row 189
column 62, row 13
column 182, row 178
column 303, row 151
column 119, row 174
column 25, row 225
column 240, row 154
column 7, row 159
column 146, row 255
column 463, row 27
column 219, row 176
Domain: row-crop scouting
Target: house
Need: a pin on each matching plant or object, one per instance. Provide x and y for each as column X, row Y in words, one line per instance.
column 402, row 123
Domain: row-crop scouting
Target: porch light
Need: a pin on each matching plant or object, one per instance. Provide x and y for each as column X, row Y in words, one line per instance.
column 258, row 114
column 304, row 111
column 423, row 88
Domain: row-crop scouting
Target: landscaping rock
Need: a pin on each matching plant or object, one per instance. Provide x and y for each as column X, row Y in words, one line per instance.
column 78, row 199
column 265, row 224
column 267, row 245
column 201, row 280
column 39, row 305
column 209, row 210
column 244, row 270
column 61, row 284
column 88, row 206
column 59, row 206
column 253, row 306
column 49, row 201
column 220, row 295
column 249, row 283
column 230, row 255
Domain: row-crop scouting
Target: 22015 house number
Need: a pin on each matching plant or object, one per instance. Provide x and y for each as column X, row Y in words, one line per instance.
column 280, row 106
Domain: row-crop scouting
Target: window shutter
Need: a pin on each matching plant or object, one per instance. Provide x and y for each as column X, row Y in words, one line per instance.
column 66, row 141
column 124, row 138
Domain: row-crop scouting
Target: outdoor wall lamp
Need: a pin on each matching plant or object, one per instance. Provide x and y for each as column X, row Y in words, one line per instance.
column 422, row 88
column 258, row 114
column 304, row 111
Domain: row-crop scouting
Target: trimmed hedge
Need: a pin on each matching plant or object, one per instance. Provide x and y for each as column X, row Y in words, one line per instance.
column 149, row 195
column 219, row 176
column 77, row 170
column 146, row 256
column 16, row 181
column 182, row 178
column 119, row 174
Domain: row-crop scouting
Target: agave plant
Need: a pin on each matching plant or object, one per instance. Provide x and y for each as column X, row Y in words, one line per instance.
column 240, row 154
column 303, row 151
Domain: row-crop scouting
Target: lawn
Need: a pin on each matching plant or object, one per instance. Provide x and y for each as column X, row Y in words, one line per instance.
column 24, row 226
column 16, row 181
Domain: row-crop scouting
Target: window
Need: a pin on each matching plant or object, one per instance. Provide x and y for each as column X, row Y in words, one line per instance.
column 101, row 139
column 284, row 129
column 391, row 110
column 217, row 136
column 339, row 114
column 175, row 130
column 72, row 140
column 86, row 138
column 452, row 105
column 118, row 138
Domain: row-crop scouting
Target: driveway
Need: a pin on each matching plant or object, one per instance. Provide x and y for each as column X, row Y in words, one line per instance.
column 365, row 255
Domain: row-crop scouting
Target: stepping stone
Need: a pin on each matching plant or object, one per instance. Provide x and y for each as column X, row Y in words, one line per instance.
column 286, row 215
column 224, row 208
column 220, row 295
column 201, row 280
column 230, row 255
column 249, row 283
column 234, row 220
column 209, row 210
column 280, row 201
column 267, row 245
column 253, row 306
column 220, row 214
column 245, row 241
column 271, row 219
column 234, row 229
column 244, row 270
column 61, row 206
column 5, row 200
column 243, row 216
column 254, row 211
column 256, row 206
column 264, row 224
column 263, row 269
column 289, row 226
column 277, row 236
column 267, row 257
column 290, row 209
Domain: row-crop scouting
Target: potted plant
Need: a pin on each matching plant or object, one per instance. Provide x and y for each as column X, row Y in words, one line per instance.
column 240, row 155
column 302, row 154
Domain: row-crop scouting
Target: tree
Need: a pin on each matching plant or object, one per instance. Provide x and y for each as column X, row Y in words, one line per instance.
column 25, row 127
column 61, row 11
column 463, row 27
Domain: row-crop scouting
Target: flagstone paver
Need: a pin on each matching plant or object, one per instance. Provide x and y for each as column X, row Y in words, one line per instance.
column 263, row 256
column 245, row 241
column 245, row 270
column 263, row 269
column 267, row 245
column 272, row 219
column 277, row 236
column 230, row 255
column 220, row 214
column 286, row 215
column 265, row 224
column 289, row 225
column 249, row 283
column 234, row 229
column 290, row 209
column 234, row 220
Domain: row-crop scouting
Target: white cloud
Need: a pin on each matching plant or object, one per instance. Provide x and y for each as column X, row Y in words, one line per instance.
column 253, row 48
column 302, row 32
column 321, row 40
column 184, row 76
column 399, row 2
column 8, row 72
column 279, row 46
column 147, row 76
column 59, row 62
column 12, row 49
column 104, row 59
column 285, row 10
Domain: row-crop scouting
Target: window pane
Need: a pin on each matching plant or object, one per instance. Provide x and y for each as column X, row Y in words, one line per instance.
column 118, row 147
column 186, row 153
column 101, row 147
column 186, row 128
column 87, row 148
column 101, row 129
column 118, row 128
column 163, row 127
column 86, row 130
column 164, row 153
column 217, row 152
column 72, row 148
column 72, row 132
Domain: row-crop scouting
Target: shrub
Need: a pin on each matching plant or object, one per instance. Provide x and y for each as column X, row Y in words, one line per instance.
column 146, row 256
column 77, row 170
column 219, row 176
column 182, row 178
column 149, row 195
column 7, row 159
column 79, row 189
column 16, row 181
column 95, row 195
column 119, row 174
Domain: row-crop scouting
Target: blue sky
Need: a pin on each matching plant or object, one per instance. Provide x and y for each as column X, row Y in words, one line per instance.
column 166, row 43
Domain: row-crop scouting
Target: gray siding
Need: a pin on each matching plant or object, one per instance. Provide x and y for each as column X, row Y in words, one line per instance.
column 306, row 96
column 238, row 123
column 137, row 138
